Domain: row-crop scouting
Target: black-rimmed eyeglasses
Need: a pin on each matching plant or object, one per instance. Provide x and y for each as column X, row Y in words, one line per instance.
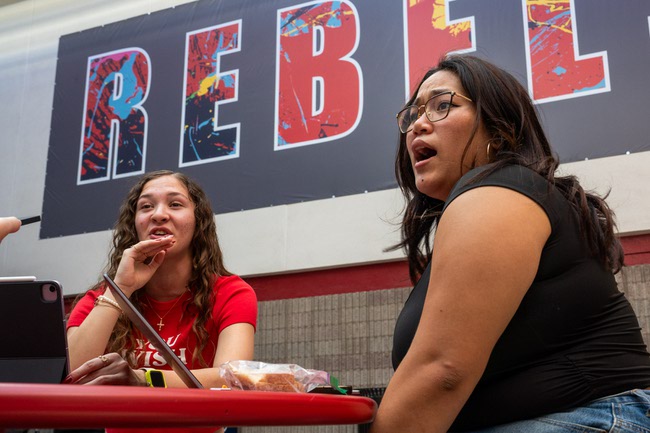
column 436, row 109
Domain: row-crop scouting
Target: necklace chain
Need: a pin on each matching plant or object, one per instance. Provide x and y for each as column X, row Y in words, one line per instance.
column 160, row 324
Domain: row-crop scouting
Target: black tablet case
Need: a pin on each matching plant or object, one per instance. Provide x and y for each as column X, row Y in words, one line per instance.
column 33, row 345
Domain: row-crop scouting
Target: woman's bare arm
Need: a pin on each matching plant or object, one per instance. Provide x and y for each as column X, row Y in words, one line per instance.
column 487, row 249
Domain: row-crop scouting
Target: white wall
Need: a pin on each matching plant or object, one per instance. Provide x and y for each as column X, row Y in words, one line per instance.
column 319, row 234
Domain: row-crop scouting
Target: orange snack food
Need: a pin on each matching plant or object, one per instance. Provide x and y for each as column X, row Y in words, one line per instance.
column 282, row 382
column 260, row 376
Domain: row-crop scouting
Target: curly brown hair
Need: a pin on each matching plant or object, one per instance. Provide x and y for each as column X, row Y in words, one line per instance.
column 517, row 137
column 207, row 263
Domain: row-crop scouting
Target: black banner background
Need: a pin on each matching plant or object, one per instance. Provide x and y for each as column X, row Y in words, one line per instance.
column 594, row 126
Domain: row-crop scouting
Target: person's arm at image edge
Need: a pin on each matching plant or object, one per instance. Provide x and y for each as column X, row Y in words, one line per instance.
column 487, row 249
column 8, row 225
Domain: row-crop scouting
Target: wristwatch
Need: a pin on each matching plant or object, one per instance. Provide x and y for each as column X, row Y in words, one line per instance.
column 155, row 378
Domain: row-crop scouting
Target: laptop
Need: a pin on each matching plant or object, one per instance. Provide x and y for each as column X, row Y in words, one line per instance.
column 147, row 330
column 33, row 344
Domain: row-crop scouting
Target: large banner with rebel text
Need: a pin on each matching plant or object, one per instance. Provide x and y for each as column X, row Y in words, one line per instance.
column 276, row 102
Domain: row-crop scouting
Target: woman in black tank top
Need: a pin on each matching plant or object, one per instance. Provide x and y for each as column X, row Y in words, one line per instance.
column 515, row 323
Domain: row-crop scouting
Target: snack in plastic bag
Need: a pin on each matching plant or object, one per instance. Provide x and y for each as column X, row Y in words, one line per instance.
column 260, row 376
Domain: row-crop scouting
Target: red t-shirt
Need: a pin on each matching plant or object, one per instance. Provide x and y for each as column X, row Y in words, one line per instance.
column 235, row 302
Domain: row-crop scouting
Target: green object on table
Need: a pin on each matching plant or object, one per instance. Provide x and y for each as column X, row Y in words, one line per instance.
column 335, row 384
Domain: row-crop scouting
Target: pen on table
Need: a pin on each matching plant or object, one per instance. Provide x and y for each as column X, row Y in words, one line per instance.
column 29, row 220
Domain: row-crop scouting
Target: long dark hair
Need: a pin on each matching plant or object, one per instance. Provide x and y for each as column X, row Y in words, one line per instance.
column 516, row 137
column 207, row 262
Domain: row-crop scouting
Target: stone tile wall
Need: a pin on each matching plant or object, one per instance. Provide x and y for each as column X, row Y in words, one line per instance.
column 634, row 281
column 349, row 335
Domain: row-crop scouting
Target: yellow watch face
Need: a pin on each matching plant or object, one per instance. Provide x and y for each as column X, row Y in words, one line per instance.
column 155, row 378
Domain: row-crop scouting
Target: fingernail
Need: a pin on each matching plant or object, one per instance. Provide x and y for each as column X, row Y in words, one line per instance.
column 68, row 379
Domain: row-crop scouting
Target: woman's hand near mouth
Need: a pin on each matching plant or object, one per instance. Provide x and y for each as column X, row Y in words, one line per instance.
column 141, row 261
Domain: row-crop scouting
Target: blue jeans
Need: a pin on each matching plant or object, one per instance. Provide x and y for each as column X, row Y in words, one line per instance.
column 627, row 412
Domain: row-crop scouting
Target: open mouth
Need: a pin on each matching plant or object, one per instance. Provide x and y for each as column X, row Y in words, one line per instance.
column 424, row 153
column 157, row 233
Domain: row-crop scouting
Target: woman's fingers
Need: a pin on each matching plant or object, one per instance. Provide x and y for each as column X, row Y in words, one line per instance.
column 144, row 251
column 140, row 262
column 158, row 258
column 109, row 369
column 87, row 369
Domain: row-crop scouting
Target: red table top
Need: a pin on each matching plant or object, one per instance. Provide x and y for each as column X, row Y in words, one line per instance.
column 77, row 406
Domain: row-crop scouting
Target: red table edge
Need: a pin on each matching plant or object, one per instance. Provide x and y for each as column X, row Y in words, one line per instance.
column 77, row 406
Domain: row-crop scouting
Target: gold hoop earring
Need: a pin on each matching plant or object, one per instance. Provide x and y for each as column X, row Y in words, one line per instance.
column 488, row 152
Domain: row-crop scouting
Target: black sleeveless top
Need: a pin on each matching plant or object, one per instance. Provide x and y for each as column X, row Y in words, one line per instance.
column 573, row 339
